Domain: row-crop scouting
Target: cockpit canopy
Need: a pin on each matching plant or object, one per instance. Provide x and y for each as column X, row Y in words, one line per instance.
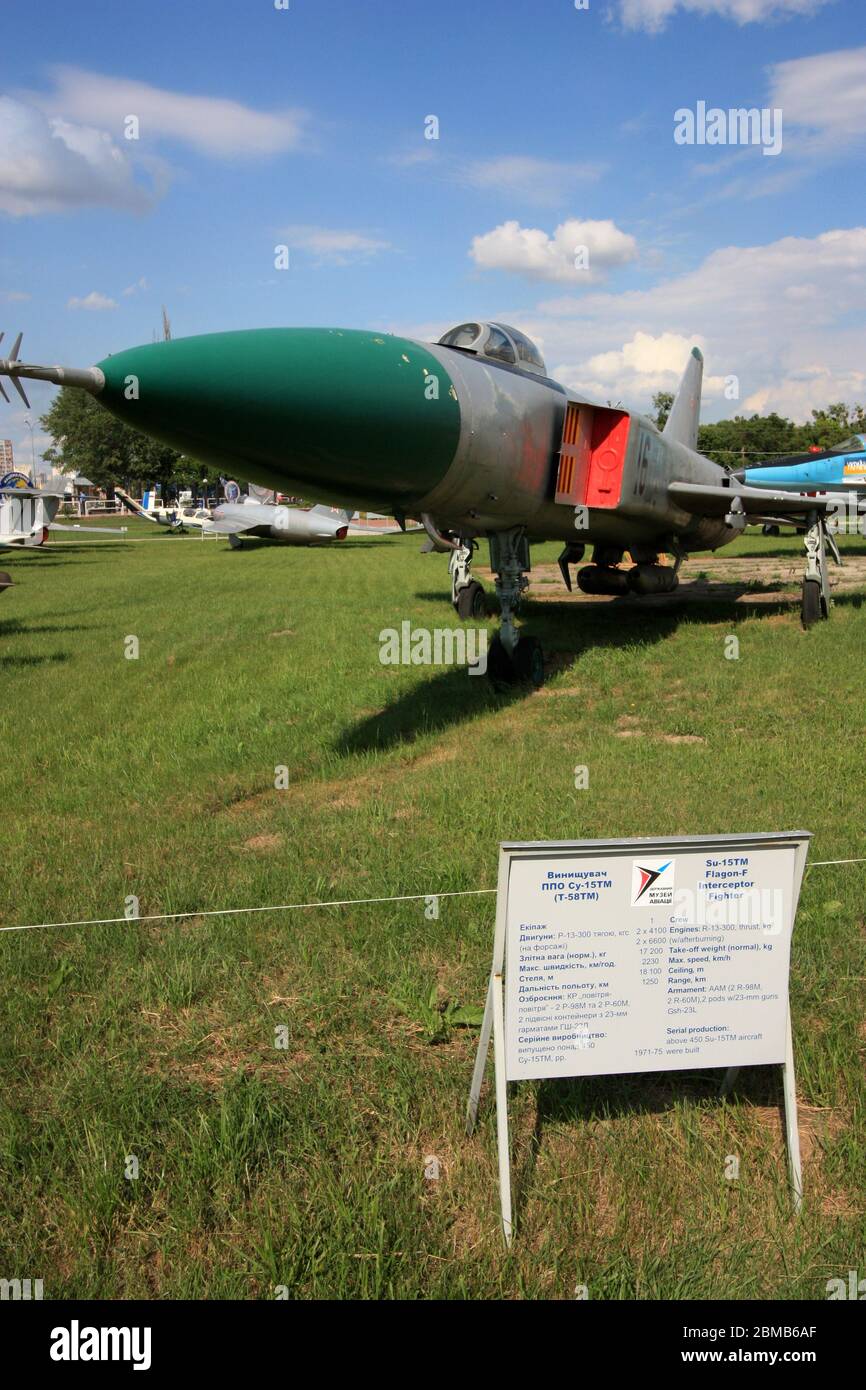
column 497, row 341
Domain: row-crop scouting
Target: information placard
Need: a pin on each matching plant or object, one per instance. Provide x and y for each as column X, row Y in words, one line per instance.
column 641, row 955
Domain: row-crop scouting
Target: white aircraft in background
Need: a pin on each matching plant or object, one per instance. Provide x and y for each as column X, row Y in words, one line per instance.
column 26, row 512
column 27, row 516
column 261, row 516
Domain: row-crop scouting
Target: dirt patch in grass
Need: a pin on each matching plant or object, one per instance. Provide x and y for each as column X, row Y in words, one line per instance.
column 738, row 579
column 345, row 792
column 263, row 843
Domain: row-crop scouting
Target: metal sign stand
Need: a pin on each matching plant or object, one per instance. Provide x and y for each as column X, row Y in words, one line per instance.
column 493, row 1024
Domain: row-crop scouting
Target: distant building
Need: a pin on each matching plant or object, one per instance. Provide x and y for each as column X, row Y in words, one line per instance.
column 6, row 461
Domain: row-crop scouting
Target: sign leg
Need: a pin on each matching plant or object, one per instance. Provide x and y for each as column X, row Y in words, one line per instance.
column 502, row 1139
column 792, row 1129
column 730, row 1077
column 480, row 1061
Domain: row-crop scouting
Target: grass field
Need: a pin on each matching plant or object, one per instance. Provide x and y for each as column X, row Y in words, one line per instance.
column 304, row 1165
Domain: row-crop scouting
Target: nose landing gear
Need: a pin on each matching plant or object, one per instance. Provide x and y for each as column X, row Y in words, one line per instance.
column 512, row 657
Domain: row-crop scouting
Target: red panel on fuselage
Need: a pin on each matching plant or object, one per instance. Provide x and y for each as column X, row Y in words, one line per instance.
column 607, row 457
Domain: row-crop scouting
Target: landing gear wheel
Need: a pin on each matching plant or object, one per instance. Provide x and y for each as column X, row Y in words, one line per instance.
column 529, row 661
column 813, row 606
column 235, row 542
column 471, row 601
column 500, row 668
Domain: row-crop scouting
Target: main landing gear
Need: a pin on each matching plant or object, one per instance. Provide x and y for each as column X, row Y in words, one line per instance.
column 816, row 581
column 467, row 594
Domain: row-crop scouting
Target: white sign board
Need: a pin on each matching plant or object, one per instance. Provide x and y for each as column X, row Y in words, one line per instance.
column 642, row 955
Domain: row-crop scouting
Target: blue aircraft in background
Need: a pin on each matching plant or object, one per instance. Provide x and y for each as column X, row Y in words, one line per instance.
column 840, row 469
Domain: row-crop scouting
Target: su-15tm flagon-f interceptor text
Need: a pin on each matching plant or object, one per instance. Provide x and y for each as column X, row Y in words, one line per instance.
column 470, row 433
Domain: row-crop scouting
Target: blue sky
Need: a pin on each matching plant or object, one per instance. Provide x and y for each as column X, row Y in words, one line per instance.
column 306, row 127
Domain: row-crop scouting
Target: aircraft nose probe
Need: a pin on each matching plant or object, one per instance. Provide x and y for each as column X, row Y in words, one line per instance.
column 88, row 378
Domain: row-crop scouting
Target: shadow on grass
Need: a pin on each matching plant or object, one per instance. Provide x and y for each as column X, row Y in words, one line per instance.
column 563, row 1101
column 252, row 543
column 848, row 546
column 11, row 627
column 566, row 631
column 47, row 559
column 10, row 662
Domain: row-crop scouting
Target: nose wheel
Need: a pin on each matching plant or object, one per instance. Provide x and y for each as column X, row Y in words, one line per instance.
column 513, row 656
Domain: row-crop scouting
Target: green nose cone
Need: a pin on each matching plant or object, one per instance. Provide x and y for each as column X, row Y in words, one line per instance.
column 332, row 414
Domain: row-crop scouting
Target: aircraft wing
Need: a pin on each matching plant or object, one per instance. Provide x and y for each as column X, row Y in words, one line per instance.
column 235, row 524
column 392, row 530
column 758, row 503
column 96, row 530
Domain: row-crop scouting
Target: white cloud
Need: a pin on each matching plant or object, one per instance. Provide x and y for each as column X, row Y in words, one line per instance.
column 215, row 126
column 530, row 251
column 642, row 366
column 653, row 15
column 645, row 355
column 544, row 181
column 825, row 93
column 408, row 159
column 788, row 319
column 333, row 246
column 93, row 301
column 48, row 164
column 808, row 388
column 136, row 287
column 15, row 296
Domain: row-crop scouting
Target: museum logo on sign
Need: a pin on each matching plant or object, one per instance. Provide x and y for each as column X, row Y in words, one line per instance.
column 652, row 882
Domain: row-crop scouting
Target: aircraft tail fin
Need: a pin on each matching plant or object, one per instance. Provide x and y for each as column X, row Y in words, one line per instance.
column 323, row 510
column 681, row 425
column 131, row 503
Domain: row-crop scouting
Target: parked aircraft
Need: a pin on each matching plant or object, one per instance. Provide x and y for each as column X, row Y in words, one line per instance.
column 470, row 433
column 250, row 516
column 840, row 469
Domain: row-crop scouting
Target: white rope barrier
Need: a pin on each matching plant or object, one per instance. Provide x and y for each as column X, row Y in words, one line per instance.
column 238, row 911
column 300, row 907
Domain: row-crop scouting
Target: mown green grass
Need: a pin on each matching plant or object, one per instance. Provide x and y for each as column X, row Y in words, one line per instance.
column 304, row 1166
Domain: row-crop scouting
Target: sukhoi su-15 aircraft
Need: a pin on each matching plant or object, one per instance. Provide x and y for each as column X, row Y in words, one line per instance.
column 471, row 434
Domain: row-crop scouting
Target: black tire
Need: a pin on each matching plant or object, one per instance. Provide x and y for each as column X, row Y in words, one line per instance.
column 236, row 543
column 529, row 661
column 471, row 601
column 500, row 668
column 811, row 611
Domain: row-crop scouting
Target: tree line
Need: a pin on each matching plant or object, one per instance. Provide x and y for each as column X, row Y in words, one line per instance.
column 750, row 439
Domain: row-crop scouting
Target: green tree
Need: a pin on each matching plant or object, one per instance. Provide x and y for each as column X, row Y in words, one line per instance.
column 757, row 438
column 662, row 402
column 89, row 440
